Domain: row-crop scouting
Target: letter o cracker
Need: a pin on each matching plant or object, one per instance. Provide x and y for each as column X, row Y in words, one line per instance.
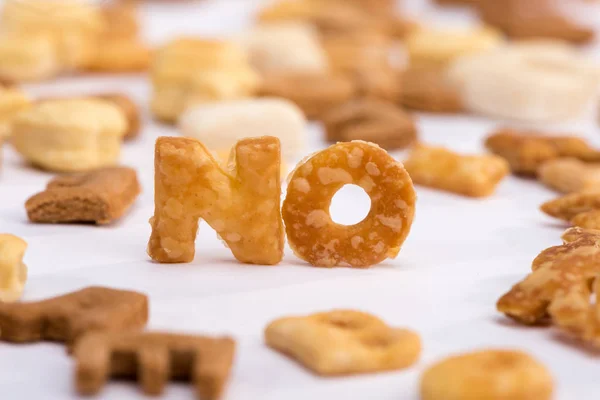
column 312, row 234
column 487, row 375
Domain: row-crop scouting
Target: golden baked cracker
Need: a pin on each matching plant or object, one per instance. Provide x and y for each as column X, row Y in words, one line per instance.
column 343, row 342
column 70, row 135
column 100, row 196
column 569, row 206
column 154, row 358
column 487, row 375
column 587, row 220
column 13, row 272
column 559, row 287
column 526, row 151
column 312, row 234
column 568, row 175
column 66, row 318
column 469, row 175
column 240, row 203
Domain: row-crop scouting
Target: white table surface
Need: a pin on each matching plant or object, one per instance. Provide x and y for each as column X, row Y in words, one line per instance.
column 461, row 256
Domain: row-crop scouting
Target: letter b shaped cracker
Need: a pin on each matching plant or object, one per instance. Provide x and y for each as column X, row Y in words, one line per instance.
column 241, row 203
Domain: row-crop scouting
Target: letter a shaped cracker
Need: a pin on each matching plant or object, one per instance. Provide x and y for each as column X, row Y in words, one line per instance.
column 241, row 203
column 559, row 287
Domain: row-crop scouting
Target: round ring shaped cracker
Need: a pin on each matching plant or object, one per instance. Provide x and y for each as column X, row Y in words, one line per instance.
column 487, row 375
column 316, row 238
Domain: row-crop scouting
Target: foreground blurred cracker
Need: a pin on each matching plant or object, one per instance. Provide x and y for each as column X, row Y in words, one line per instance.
column 580, row 208
column 373, row 121
column 469, row 175
column 343, row 342
column 316, row 238
column 314, row 93
column 154, row 358
column 70, row 135
column 66, row 318
column 13, row 272
column 527, row 151
column 100, row 196
column 560, row 287
column 487, row 375
column 240, row 202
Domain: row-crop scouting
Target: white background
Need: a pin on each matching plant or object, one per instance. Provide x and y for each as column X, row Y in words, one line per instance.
column 461, row 256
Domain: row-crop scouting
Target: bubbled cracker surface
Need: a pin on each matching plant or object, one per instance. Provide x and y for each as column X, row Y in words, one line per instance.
column 312, row 234
column 241, row 205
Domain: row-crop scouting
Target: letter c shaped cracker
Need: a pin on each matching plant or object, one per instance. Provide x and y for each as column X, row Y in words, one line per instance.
column 316, row 238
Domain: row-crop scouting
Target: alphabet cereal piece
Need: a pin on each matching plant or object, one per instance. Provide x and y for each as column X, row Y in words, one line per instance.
column 311, row 233
column 13, row 273
column 101, row 196
column 527, row 151
column 154, row 358
column 66, row 318
column 569, row 175
column 487, row 375
column 70, row 135
column 587, row 220
column 343, row 342
column 571, row 205
column 560, row 287
column 469, row 175
column 241, row 203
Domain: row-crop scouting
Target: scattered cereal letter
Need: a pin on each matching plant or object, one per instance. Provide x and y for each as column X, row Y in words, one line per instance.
column 311, row 233
column 241, row 203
